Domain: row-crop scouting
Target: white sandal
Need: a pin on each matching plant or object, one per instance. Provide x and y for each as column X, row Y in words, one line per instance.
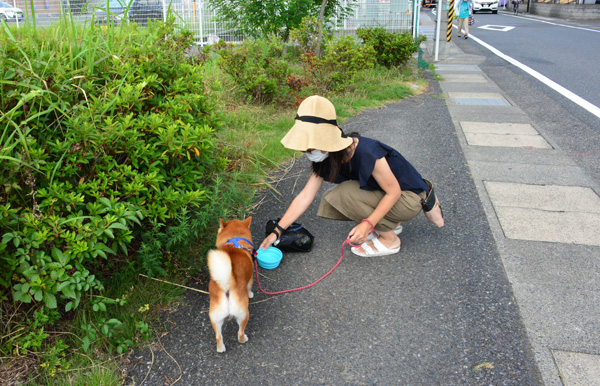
column 397, row 231
column 382, row 250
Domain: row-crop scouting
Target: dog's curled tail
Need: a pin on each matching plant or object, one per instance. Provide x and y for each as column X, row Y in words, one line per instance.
column 219, row 266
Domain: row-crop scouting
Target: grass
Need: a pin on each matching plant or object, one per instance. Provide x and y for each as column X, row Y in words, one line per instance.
column 106, row 373
column 257, row 130
column 436, row 76
column 376, row 88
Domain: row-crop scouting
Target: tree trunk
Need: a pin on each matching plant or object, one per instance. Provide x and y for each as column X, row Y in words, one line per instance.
column 320, row 38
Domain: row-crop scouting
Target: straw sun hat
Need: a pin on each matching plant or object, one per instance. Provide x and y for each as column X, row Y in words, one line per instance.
column 316, row 127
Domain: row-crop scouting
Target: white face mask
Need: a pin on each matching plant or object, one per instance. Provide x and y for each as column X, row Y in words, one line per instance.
column 316, row 155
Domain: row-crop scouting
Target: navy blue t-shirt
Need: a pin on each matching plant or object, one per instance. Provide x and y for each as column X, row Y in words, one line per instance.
column 362, row 163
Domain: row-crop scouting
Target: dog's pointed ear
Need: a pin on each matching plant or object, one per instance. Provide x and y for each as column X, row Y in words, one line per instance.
column 248, row 221
column 222, row 224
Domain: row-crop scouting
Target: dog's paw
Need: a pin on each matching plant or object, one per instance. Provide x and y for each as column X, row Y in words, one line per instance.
column 243, row 339
column 250, row 294
column 221, row 348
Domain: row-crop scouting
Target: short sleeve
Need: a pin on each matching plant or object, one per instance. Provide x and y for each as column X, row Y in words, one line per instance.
column 362, row 164
column 366, row 159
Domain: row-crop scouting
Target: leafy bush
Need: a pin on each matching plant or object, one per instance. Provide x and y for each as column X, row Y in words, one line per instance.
column 97, row 142
column 392, row 49
column 257, row 68
column 342, row 59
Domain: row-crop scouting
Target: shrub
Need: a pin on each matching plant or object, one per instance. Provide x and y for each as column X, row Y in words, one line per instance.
column 392, row 49
column 342, row 59
column 96, row 143
column 257, row 68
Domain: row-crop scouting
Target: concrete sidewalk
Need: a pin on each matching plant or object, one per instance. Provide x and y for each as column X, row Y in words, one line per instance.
column 544, row 213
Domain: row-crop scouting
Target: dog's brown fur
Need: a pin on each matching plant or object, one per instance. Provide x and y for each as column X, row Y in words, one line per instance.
column 230, row 286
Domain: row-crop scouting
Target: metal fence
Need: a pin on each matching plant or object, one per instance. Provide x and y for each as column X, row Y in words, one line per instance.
column 393, row 15
column 194, row 15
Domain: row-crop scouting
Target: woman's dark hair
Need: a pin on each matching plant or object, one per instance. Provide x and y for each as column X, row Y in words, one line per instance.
column 330, row 168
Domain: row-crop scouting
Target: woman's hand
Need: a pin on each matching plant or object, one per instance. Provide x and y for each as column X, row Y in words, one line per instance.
column 268, row 241
column 359, row 233
column 298, row 206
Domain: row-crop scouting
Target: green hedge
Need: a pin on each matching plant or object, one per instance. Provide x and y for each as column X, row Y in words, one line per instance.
column 104, row 133
column 393, row 49
column 257, row 68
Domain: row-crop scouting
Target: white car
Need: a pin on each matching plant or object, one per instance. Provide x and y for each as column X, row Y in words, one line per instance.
column 485, row 5
column 8, row 12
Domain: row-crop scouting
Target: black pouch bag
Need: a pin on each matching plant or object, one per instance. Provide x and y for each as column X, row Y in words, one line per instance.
column 296, row 238
column 430, row 203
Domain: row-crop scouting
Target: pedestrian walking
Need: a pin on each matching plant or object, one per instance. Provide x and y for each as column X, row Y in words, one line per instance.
column 377, row 187
column 463, row 9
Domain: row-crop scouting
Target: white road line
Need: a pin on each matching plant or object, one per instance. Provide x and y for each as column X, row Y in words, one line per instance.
column 557, row 24
column 548, row 82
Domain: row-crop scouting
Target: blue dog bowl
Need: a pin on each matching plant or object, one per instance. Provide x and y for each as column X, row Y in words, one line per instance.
column 269, row 258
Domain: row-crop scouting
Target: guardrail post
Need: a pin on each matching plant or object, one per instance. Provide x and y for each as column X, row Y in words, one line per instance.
column 450, row 20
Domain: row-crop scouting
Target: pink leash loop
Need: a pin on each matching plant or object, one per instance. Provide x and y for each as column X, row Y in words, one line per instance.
column 347, row 241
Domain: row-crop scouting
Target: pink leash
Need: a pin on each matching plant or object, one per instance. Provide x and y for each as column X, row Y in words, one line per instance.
column 347, row 241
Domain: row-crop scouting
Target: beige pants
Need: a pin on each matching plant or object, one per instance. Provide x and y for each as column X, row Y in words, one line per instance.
column 463, row 22
column 348, row 202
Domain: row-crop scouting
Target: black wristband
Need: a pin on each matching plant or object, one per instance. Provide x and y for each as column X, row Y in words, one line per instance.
column 281, row 230
column 276, row 233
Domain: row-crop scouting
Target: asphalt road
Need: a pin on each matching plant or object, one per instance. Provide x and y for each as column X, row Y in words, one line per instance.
column 567, row 52
column 439, row 313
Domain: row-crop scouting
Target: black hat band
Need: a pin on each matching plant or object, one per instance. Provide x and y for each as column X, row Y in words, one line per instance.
column 317, row 120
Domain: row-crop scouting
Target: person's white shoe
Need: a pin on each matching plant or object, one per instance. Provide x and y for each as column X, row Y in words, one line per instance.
column 397, row 231
column 380, row 249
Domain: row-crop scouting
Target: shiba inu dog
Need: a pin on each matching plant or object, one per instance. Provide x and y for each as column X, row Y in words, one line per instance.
column 231, row 269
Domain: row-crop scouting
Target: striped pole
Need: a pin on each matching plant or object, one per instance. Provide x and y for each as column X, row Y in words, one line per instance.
column 450, row 20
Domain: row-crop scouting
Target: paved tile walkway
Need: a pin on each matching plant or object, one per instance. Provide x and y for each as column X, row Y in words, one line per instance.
column 544, row 216
column 503, row 135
